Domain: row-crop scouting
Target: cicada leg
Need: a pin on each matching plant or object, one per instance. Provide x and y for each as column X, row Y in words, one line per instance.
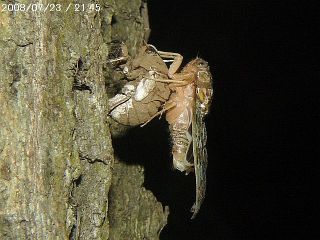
column 179, row 79
column 175, row 58
column 167, row 106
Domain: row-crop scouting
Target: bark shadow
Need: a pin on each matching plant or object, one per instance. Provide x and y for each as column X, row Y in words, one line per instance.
column 149, row 146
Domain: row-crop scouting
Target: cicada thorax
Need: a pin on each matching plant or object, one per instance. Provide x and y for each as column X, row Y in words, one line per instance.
column 142, row 96
column 204, row 91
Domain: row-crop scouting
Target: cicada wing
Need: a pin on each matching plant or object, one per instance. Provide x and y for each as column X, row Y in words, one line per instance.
column 199, row 136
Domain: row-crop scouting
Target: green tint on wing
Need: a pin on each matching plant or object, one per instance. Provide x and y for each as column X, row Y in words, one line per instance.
column 199, row 136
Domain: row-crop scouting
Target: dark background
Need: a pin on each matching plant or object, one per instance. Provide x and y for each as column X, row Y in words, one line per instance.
column 260, row 137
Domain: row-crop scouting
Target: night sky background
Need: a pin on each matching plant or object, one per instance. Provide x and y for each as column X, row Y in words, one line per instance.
column 260, row 136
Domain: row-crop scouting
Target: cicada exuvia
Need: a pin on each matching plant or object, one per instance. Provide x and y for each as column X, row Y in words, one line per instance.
column 142, row 96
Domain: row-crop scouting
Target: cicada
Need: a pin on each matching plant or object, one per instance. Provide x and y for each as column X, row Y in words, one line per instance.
column 185, row 100
column 189, row 104
column 185, row 111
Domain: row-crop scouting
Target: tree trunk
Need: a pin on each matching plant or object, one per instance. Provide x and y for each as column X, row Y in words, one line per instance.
column 56, row 155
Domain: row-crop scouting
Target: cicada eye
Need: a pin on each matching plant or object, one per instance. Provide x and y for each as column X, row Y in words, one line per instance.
column 203, row 64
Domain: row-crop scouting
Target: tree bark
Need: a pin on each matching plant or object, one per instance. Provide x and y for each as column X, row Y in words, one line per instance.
column 56, row 155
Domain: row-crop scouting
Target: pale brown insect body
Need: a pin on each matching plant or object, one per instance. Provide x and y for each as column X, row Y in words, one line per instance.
column 180, row 119
column 190, row 103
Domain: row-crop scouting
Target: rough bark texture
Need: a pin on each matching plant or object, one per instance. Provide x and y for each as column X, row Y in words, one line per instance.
column 134, row 212
column 56, row 156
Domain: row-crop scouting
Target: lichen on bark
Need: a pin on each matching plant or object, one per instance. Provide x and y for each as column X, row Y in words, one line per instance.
column 56, row 154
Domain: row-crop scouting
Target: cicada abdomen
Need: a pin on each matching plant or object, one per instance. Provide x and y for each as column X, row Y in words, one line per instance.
column 180, row 120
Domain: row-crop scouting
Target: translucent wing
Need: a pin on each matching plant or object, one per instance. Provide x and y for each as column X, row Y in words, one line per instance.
column 199, row 136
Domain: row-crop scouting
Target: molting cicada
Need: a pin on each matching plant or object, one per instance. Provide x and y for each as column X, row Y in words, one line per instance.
column 184, row 96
